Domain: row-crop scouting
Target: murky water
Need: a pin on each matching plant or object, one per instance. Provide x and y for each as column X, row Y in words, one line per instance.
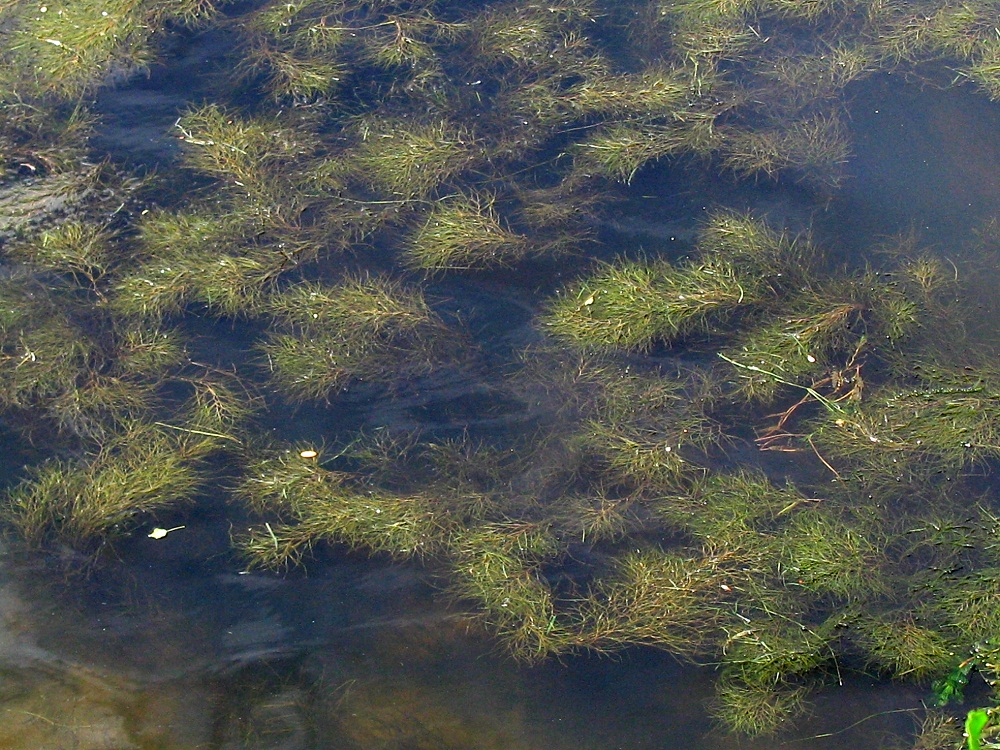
column 171, row 645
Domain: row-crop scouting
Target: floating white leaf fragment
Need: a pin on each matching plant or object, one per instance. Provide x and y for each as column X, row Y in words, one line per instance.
column 308, row 454
column 159, row 533
column 810, row 358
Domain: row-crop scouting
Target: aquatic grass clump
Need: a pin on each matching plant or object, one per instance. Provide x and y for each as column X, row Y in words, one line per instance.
column 967, row 606
column 798, row 350
column 949, row 421
column 731, row 511
column 903, row 648
column 534, row 36
column 42, row 349
column 772, row 654
column 815, row 149
column 651, row 93
column 648, row 429
column 498, row 566
column 757, row 710
column 72, row 247
column 619, row 150
column 743, row 264
column 314, row 505
column 784, row 261
column 228, row 284
column 406, row 41
column 668, row 600
column 196, row 257
column 218, row 408
column 362, row 329
column 462, row 233
column 411, row 161
column 40, row 135
column 295, row 50
column 821, row 336
column 635, row 304
column 149, row 352
column 260, row 159
column 830, row 555
column 74, row 46
column 401, row 526
column 133, row 474
column 598, row 518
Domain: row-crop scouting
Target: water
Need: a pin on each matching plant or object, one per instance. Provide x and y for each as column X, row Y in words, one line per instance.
column 171, row 644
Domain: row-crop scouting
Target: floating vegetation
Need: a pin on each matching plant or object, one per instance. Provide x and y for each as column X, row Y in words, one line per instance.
column 632, row 305
column 947, row 422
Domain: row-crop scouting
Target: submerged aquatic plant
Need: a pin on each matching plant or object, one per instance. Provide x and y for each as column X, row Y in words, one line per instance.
column 462, row 233
column 603, row 510
column 362, row 329
column 141, row 470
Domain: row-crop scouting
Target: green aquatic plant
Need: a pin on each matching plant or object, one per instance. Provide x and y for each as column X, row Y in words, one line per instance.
column 465, row 232
column 196, row 258
column 968, row 606
column 597, row 518
column 938, row 731
column 371, row 329
column 619, row 150
column 498, row 566
column 43, row 350
column 316, row 505
column 530, row 35
column 757, row 710
column 43, row 137
column 784, row 261
column 411, row 161
column 72, row 47
column 829, row 555
column 944, row 424
column 149, row 352
column 743, row 264
column 775, row 652
column 951, row 687
column 73, row 247
column 634, row 304
column 668, row 600
column 225, row 284
column 823, row 335
column 815, row 149
column 732, row 511
column 976, row 722
column 649, row 430
column 260, row 159
column 295, row 49
column 133, row 474
column 902, row 648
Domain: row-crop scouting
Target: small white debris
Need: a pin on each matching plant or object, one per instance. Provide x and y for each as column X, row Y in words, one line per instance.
column 159, row 533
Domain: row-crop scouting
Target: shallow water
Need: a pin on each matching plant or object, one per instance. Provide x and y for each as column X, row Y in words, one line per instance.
column 169, row 644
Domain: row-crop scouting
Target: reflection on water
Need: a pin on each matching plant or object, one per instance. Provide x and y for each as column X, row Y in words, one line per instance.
column 355, row 655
